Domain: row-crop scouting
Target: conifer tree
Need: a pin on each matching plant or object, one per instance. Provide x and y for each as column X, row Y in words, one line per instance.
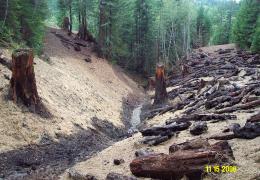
column 245, row 25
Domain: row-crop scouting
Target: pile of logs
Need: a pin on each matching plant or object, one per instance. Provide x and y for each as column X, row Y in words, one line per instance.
column 226, row 90
column 189, row 159
column 216, row 85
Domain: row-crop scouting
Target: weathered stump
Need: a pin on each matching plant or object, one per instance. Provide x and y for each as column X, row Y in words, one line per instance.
column 66, row 23
column 23, row 84
column 160, row 85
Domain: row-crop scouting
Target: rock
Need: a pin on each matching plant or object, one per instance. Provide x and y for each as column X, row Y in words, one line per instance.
column 118, row 161
column 143, row 152
column 24, row 125
column 166, row 130
column 116, row 176
column 88, row 59
column 7, row 77
column 73, row 174
column 198, row 128
column 184, row 162
column 77, row 48
column 45, row 57
column 132, row 131
column 45, row 139
column 232, row 127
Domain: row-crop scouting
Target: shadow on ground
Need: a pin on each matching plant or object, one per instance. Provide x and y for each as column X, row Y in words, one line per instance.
column 49, row 159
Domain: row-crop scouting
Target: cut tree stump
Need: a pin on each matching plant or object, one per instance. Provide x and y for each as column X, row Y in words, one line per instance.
column 23, row 84
column 66, row 23
column 160, row 85
column 182, row 162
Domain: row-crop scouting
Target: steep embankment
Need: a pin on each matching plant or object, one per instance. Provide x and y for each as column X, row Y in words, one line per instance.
column 84, row 97
column 246, row 152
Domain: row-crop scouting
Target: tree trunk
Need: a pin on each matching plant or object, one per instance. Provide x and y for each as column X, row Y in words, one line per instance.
column 102, row 27
column 160, row 85
column 66, row 23
column 23, row 83
column 70, row 29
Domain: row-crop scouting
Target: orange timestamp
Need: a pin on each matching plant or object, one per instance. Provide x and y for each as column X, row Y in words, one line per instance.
column 220, row 169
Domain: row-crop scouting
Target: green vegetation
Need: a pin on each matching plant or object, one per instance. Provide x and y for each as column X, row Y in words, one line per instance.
column 135, row 33
column 245, row 29
column 22, row 23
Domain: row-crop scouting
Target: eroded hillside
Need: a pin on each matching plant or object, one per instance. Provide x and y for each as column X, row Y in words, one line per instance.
column 85, row 99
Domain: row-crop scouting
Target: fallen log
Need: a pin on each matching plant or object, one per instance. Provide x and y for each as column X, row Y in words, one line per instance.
column 254, row 118
column 162, row 110
column 155, row 140
column 237, row 107
column 165, row 129
column 182, row 162
column 202, row 117
column 223, row 136
column 217, row 101
column 224, row 51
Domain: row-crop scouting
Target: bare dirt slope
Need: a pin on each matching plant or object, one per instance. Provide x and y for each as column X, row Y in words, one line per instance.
column 246, row 152
column 73, row 90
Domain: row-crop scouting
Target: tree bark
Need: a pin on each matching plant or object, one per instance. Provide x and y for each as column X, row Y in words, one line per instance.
column 161, row 95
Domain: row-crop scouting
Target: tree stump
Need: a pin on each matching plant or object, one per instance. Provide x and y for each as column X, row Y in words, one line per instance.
column 23, row 84
column 66, row 23
column 161, row 95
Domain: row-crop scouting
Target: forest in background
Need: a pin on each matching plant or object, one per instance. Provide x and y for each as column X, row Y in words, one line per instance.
column 135, row 33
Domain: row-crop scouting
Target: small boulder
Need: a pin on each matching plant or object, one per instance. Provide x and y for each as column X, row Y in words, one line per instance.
column 198, row 128
column 232, row 127
column 77, row 48
column 88, row 59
